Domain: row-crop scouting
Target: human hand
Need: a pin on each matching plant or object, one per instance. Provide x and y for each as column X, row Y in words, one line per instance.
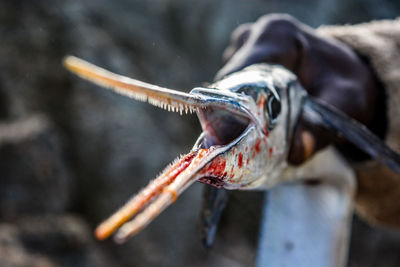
column 328, row 69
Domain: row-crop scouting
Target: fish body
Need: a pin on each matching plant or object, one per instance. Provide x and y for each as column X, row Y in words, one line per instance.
column 247, row 119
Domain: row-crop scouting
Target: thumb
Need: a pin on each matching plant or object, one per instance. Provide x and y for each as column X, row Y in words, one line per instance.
column 306, row 141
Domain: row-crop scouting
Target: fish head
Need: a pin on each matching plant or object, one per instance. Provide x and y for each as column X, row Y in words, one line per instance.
column 258, row 108
column 247, row 119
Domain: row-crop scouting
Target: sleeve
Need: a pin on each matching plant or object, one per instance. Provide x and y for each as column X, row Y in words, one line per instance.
column 378, row 190
column 379, row 41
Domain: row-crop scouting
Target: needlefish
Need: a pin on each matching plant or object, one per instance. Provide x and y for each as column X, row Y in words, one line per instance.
column 247, row 120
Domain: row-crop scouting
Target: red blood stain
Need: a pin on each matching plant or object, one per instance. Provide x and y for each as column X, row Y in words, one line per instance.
column 257, row 146
column 183, row 163
column 221, row 167
column 240, row 160
column 246, row 149
column 231, row 176
column 172, row 172
column 271, row 150
column 233, row 151
column 247, row 161
column 266, row 131
column 216, row 167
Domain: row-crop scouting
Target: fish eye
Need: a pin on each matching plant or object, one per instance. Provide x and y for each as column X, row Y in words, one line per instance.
column 273, row 109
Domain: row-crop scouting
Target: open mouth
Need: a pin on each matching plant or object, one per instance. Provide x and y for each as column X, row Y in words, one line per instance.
column 220, row 126
column 224, row 122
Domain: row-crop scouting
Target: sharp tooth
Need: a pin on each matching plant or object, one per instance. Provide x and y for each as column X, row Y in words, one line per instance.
column 138, row 90
column 141, row 91
column 144, row 197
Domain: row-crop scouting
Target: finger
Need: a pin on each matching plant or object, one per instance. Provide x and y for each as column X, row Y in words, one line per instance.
column 307, row 140
column 272, row 39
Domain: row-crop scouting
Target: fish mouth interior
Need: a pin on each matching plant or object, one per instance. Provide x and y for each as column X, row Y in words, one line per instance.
column 221, row 127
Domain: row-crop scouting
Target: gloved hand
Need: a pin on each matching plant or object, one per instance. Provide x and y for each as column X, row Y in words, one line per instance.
column 328, row 69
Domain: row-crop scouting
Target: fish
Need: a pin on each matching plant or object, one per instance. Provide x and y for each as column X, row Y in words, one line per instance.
column 248, row 118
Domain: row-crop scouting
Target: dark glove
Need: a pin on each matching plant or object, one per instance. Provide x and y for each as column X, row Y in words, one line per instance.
column 328, row 69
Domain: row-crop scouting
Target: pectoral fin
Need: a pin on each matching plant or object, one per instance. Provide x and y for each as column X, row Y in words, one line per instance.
column 328, row 116
column 214, row 202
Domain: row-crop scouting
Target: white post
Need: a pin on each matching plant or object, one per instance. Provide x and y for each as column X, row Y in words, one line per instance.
column 309, row 224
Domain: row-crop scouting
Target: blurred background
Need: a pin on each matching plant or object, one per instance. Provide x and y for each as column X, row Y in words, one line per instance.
column 71, row 153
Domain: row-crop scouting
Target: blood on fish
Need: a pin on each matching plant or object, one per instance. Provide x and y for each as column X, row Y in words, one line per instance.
column 271, row 150
column 233, row 151
column 216, row 167
column 152, row 190
column 257, row 146
column 240, row 160
column 266, row 131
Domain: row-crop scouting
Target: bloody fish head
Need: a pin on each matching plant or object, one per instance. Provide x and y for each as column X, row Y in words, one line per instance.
column 257, row 139
column 247, row 120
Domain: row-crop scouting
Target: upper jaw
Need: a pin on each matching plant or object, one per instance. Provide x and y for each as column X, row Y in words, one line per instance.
column 238, row 104
column 241, row 108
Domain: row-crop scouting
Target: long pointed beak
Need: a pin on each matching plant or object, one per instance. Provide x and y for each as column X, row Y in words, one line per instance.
column 158, row 96
column 169, row 99
column 158, row 195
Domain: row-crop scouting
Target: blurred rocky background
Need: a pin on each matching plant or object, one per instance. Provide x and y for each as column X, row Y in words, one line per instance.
column 71, row 153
